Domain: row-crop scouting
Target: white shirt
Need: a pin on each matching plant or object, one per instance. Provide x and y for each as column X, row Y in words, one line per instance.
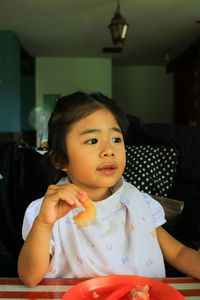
column 122, row 240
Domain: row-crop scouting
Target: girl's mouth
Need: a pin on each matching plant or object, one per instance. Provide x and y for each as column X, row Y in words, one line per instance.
column 107, row 170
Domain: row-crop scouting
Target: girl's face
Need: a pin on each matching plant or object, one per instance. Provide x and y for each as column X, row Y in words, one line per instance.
column 96, row 153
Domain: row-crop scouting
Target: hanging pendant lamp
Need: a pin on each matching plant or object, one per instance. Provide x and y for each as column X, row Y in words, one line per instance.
column 118, row 27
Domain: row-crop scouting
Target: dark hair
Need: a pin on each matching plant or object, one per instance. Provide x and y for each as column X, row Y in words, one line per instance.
column 70, row 109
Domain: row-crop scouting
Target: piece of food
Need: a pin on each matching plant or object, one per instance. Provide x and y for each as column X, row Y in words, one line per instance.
column 95, row 295
column 140, row 293
column 86, row 217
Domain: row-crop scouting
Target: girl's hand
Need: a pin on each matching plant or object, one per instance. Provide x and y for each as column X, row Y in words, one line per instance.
column 59, row 200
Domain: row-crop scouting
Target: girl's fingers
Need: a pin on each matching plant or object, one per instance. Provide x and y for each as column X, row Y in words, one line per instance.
column 66, row 192
column 82, row 198
column 68, row 187
column 65, row 196
column 84, row 194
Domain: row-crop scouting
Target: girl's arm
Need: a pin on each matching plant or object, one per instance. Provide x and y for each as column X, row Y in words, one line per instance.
column 34, row 257
column 185, row 259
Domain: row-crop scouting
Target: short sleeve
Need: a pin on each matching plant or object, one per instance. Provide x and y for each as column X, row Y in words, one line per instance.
column 31, row 213
column 156, row 210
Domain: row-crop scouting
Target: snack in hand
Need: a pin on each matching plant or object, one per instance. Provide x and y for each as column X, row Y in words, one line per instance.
column 86, row 217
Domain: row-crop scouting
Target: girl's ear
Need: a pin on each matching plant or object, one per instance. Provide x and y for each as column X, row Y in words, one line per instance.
column 64, row 169
column 58, row 165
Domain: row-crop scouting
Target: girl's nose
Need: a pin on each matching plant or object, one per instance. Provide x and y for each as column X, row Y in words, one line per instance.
column 107, row 151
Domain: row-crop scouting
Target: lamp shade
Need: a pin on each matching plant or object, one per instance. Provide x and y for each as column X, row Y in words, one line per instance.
column 118, row 27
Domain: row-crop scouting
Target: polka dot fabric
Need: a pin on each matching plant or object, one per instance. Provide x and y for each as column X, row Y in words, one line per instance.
column 151, row 168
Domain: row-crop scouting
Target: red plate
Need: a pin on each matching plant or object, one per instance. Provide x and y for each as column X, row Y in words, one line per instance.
column 105, row 285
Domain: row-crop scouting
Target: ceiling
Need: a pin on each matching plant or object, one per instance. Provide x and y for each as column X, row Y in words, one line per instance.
column 79, row 28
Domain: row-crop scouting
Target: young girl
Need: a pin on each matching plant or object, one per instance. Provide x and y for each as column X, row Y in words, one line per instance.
column 86, row 142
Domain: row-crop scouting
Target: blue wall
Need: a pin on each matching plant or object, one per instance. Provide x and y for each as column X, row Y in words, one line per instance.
column 9, row 82
column 27, row 100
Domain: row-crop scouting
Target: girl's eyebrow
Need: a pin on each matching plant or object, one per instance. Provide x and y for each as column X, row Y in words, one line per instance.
column 93, row 130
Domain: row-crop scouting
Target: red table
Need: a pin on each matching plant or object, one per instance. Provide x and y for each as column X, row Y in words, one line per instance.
column 13, row 288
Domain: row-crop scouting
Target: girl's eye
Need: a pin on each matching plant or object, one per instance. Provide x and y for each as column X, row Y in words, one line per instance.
column 116, row 140
column 92, row 141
